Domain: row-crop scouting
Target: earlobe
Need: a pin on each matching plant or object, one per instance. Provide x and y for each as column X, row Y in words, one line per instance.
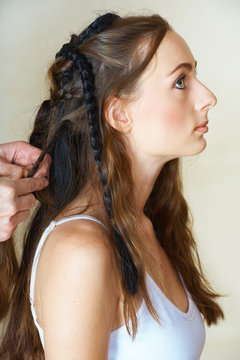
column 116, row 116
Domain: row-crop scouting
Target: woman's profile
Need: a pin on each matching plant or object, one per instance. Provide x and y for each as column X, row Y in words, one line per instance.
column 110, row 268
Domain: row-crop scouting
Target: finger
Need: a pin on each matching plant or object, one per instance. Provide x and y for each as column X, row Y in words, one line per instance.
column 19, row 217
column 6, row 234
column 10, row 224
column 27, row 154
column 20, row 153
column 29, row 185
column 25, row 172
column 24, row 202
column 10, row 170
column 44, row 166
column 6, row 228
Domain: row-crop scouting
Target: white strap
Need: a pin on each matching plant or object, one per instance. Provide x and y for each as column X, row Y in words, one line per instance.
column 73, row 217
column 41, row 243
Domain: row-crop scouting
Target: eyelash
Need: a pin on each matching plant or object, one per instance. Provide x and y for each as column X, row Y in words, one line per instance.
column 182, row 78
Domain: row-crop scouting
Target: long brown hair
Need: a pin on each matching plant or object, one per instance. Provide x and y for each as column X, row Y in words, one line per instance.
column 61, row 126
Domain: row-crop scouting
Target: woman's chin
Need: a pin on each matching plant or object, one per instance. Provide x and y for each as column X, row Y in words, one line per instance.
column 197, row 148
column 201, row 146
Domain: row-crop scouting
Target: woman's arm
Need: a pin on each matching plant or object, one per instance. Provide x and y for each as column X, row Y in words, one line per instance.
column 77, row 292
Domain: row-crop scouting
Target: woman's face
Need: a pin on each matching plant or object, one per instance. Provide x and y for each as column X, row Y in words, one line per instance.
column 169, row 107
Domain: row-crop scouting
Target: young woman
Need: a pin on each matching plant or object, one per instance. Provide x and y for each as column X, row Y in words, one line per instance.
column 109, row 261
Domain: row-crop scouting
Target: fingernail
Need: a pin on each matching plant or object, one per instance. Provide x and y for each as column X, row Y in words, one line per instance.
column 25, row 172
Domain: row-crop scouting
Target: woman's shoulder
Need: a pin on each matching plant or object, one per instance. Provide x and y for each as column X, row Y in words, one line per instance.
column 77, row 284
column 82, row 233
column 78, row 241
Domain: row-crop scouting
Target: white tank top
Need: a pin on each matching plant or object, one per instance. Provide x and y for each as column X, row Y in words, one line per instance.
column 181, row 336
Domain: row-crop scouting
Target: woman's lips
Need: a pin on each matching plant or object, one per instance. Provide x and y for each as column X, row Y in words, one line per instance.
column 202, row 127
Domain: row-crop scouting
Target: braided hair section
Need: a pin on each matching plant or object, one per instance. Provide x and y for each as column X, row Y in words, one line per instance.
column 129, row 269
column 96, row 27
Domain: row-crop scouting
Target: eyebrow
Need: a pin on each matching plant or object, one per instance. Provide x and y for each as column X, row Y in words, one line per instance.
column 187, row 66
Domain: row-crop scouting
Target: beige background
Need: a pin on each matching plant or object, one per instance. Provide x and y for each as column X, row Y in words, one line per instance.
column 31, row 32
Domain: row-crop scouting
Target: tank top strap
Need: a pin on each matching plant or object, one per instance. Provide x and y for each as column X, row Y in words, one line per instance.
column 80, row 216
column 41, row 243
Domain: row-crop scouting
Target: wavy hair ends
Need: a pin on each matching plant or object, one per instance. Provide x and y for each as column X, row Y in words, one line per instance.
column 119, row 55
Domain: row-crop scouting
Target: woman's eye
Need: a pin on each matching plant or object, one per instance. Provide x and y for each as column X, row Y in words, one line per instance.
column 180, row 81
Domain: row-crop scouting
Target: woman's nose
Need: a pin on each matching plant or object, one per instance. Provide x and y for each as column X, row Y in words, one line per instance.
column 205, row 98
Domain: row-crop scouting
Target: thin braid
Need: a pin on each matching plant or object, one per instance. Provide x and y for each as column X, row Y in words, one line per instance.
column 99, row 25
column 129, row 269
column 96, row 27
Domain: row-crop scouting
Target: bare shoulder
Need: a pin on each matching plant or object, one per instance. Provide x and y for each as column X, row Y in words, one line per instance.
column 76, row 290
column 80, row 233
column 83, row 241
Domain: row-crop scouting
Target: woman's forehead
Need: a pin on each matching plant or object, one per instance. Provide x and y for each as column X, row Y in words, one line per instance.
column 172, row 51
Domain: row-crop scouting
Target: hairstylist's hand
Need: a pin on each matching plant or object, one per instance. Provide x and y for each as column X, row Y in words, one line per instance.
column 16, row 198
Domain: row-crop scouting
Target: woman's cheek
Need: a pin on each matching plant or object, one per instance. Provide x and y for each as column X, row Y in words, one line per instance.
column 173, row 118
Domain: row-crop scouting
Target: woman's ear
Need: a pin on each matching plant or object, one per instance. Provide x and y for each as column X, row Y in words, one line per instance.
column 115, row 114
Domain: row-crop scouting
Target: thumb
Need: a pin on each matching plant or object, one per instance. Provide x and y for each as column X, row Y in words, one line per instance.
column 11, row 170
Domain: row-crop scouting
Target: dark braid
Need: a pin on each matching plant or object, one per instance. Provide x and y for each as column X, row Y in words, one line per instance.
column 96, row 27
column 129, row 270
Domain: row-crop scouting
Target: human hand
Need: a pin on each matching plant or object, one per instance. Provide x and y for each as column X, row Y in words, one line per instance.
column 16, row 198
column 17, row 159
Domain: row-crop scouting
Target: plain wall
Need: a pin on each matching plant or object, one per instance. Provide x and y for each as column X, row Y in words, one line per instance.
column 32, row 31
